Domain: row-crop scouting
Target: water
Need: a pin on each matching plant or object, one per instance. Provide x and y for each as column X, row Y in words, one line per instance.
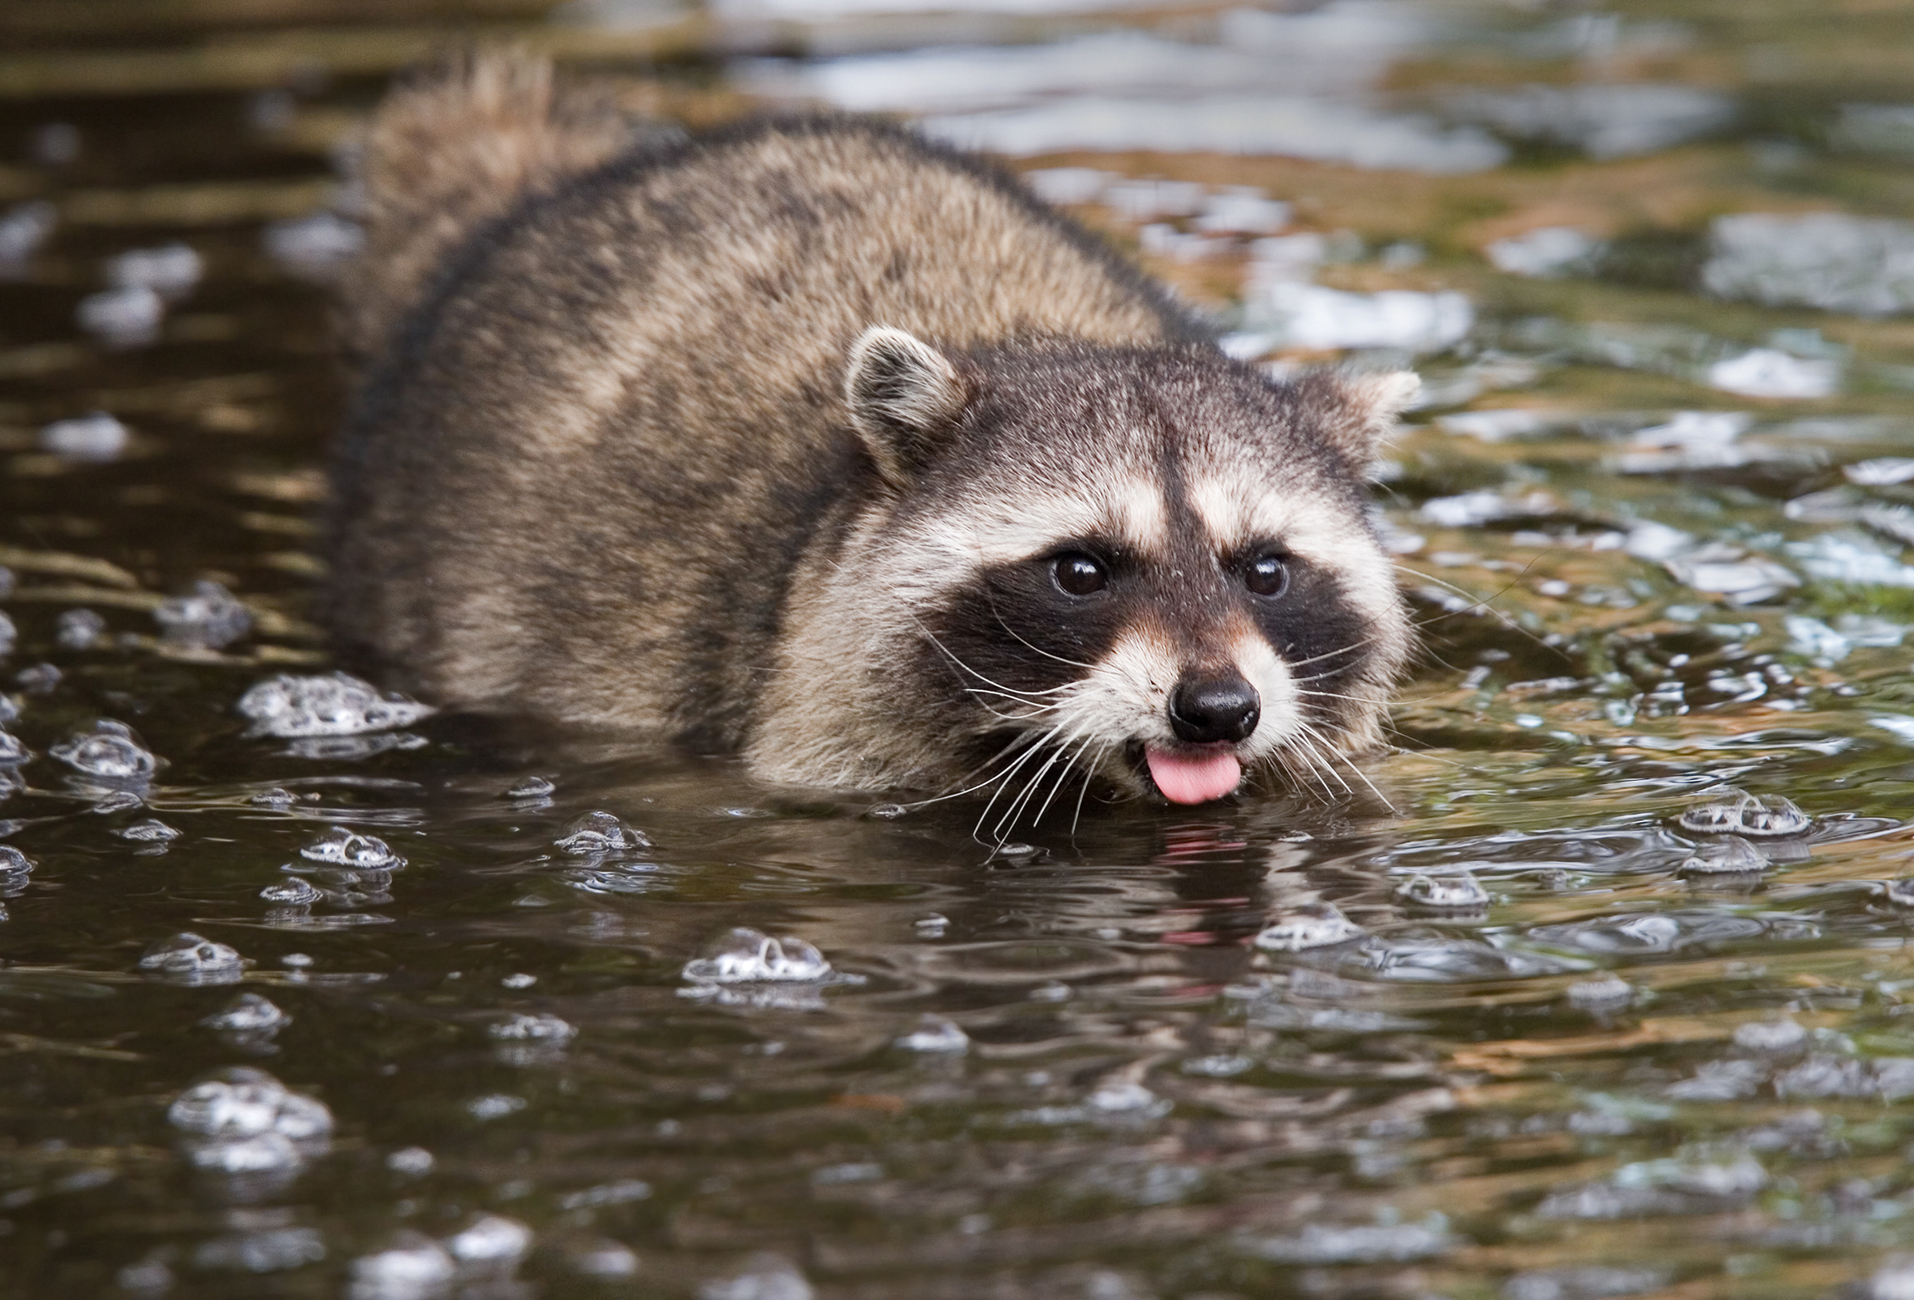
column 1601, row 990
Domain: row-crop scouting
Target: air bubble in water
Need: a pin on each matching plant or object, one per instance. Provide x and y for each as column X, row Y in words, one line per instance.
column 332, row 704
column 248, row 1014
column 414, row 1267
column 1456, row 891
column 122, row 317
column 266, row 1251
column 935, row 1034
column 38, row 679
column 149, row 831
column 13, row 864
column 600, row 832
column 1900, row 892
column 8, row 632
column 115, row 801
column 1771, row 1037
column 345, row 848
column 603, row 1257
column 291, row 893
column 1123, row 1097
column 241, row 1102
column 1325, row 1244
column 767, row 1278
column 108, row 750
column 492, row 1242
column 415, row 1162
column 547, row 1028
column 746, row 956
column 1729, row 856
column 207, row 617
column 97, row 436
column 313, row 245
column 25, row 227
column 1603, row 993
column 171, row 270
column 13, row 752
column 194, row 959
column 532, row 787
column 1736, row 812
column 78, row 629
column 1313, row 925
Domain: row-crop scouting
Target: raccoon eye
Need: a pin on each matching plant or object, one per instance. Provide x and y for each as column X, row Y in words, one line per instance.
column 1267, row 576
column 1079, row 575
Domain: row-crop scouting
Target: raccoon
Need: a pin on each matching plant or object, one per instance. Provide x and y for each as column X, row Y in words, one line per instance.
column 811, row 441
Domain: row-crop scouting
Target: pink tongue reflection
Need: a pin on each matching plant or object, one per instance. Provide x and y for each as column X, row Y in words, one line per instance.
column 1193, row 780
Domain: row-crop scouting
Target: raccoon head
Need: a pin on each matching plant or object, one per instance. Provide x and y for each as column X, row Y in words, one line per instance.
column 1154, row 566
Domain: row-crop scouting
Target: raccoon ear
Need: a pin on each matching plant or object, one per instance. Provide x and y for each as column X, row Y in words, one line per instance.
column 903, row 393
column 1355, row 413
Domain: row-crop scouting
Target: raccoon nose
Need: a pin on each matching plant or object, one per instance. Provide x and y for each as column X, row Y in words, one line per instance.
column 1204, row 710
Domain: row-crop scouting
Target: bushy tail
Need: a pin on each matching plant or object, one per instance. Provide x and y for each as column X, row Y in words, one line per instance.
column 457, row 146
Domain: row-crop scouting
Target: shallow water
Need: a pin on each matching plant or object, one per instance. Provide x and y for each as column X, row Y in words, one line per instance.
column 1546, row 1014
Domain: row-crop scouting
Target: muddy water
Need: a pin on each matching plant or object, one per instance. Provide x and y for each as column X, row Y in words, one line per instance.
column 1549, row 1013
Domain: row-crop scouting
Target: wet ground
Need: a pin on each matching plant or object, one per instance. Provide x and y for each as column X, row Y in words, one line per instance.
column 290, row 1006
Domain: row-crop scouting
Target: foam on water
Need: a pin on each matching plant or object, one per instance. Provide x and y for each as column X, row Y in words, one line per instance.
column 107, row 750
column 13, row 750
column 330, row 704
column 208, row 617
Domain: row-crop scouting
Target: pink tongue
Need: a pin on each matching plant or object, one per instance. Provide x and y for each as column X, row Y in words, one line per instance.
column 1193, row 780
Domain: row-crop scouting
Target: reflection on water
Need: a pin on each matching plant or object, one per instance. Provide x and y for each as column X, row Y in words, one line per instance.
column 1598, row 992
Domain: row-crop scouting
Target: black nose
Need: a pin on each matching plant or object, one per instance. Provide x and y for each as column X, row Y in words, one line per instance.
column 1204, row 710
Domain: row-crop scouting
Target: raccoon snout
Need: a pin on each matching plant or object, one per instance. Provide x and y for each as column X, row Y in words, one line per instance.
column 1206, row 710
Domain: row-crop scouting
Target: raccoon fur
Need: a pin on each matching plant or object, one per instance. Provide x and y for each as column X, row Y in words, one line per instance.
column 811, row 441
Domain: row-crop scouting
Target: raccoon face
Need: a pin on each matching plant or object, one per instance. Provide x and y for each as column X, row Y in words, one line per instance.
column 1152, row 567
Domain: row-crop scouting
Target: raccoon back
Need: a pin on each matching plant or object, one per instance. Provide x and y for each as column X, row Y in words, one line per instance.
column 580, row 478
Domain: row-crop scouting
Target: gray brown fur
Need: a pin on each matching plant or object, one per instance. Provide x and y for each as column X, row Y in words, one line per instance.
column 603, row 468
